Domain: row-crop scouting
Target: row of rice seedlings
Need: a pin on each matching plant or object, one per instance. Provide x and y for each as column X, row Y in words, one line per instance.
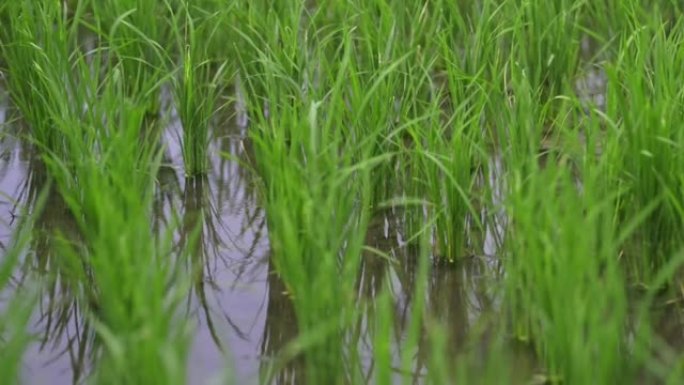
column 391, row 32
column 59, row 313
column 374, row 123
column 451, row 156
column 448, row 160
column 522, row 153
column 564, row 283
column 105, row 173
column 198, row 85
column 43, row 64
column 289, row 142
column 644, row 110
column 124, row 270
column 614, row 195
column 40, row 63
column 314, row 152
column 317, row 190
column 306, row 109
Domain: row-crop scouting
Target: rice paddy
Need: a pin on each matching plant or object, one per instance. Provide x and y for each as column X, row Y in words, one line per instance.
column 341, row 192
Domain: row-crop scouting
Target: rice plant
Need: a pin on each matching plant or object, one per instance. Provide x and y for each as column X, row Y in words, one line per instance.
column 123, row 268
column 647, row 71
column 198, row 86
column 36, row 46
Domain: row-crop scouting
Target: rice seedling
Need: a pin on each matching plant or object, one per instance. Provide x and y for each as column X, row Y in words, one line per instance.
column 36, row 46
column 549, row 33
column 199, row 84
column 316, row 183
column 449, row 149
column 138, row 38
column 124, row 270
column 557, row 262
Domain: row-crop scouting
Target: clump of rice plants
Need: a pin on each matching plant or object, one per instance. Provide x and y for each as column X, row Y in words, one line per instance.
column 138, row 38
column 104, row 165
column 316, row 203
column 124, row 269
column 198, row 85
column 36, row 46
column 548, row 35
column 644, row 105
column 553, row 272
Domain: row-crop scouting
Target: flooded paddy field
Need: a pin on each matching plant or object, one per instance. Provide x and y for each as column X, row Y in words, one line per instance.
column 327, row 192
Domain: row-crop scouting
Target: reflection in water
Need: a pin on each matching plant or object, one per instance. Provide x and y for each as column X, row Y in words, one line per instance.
column 199, row 238
column 222, row 221
column 280, row 329
column 61, row 334
column 61, row 320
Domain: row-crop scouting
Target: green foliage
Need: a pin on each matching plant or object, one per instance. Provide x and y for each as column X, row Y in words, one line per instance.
column 469, row 121
column 197, row 87
column 646, row 107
